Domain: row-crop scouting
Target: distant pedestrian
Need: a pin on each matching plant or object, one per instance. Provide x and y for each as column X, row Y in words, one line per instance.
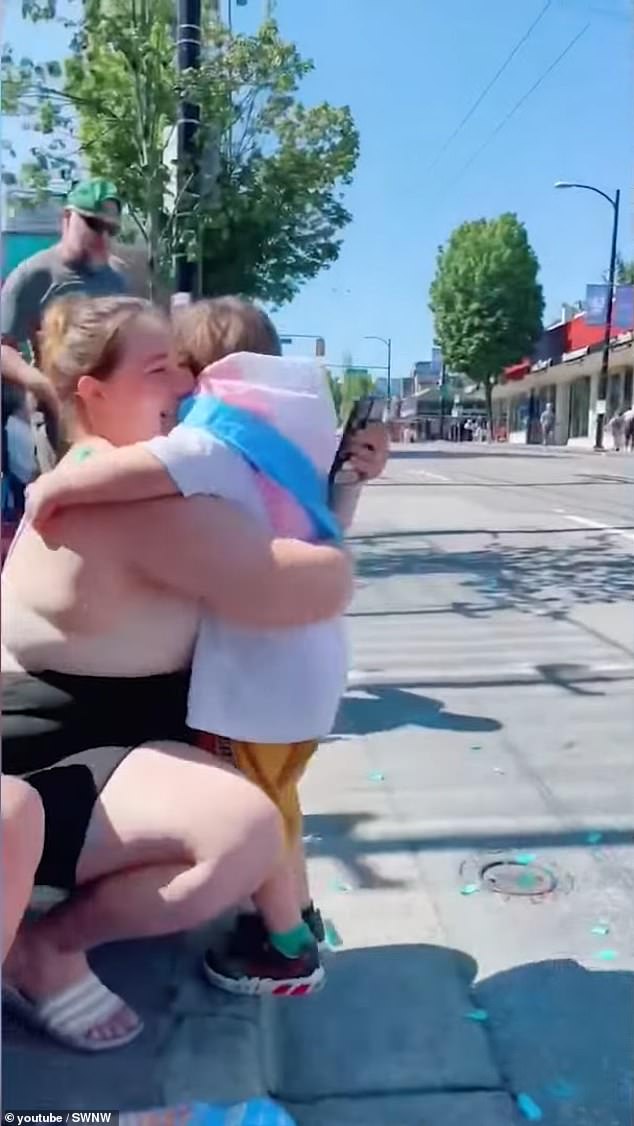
column 547, row 423
column 78, row 265
column 617, row 429
column 628, row 419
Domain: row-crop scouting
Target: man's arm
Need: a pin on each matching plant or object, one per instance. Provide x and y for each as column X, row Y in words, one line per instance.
column 207, row 550
column 19, row 309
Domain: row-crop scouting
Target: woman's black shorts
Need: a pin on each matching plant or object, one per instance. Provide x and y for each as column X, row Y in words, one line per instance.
column 53, row 726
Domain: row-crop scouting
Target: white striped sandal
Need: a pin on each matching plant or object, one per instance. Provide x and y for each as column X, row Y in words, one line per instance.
column 70, row 1016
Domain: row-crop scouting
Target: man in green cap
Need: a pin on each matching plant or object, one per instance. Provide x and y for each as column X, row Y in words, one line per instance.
column 79, row 264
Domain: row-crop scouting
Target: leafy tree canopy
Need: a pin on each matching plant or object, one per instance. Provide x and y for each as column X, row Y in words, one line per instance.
column 270, row 211
column 486, row 299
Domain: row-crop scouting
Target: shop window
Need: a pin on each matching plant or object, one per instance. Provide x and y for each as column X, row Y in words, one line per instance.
column 614, row 394
column 518, row 413
column 627, row 388
column 580, row 408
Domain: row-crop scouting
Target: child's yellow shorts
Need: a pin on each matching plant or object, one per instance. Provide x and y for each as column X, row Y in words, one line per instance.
column 275, row 767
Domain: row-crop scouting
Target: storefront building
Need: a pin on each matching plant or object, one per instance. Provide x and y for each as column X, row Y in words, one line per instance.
column 565, row 371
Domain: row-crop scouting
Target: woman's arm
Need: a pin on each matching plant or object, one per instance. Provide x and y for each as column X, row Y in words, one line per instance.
column 209, row 551
column 113, row 476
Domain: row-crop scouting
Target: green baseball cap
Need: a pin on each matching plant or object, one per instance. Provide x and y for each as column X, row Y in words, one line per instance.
column 96, row 199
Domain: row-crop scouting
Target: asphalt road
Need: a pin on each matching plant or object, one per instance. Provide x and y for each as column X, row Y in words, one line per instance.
column 498, row 561
column 476, row 797
column 470, row 831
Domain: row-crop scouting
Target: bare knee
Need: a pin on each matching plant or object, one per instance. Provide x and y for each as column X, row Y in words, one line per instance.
column 22, row 843
column 22, row 822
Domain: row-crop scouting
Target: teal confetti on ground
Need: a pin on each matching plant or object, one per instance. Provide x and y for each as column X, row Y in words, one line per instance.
column 341, row 885
column 333, row 938
column 476, row 747
column 377, row 776
column 529, row 1108
column 469, row 889
column 600, row 928
column 562, row 1089
column 526, row 881
column 477, row 1015
column 594, row 838
column 525, row 858
column 606, row 955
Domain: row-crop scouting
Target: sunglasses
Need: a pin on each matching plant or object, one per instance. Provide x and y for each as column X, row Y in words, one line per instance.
column 99, row 226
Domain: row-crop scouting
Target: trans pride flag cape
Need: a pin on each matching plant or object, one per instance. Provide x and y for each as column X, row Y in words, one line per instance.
column 277, row 412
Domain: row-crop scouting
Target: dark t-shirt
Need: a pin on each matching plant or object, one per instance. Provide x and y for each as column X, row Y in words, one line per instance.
column 43, row 278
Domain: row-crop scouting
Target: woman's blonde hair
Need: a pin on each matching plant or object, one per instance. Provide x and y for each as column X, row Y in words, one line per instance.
column 85, row 336
column 208, row 330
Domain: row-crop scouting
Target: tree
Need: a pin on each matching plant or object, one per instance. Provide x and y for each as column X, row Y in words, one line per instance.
column 624, row 271
column 486, row 299
column 270, row 213
column 356, row 383
column 336, row 390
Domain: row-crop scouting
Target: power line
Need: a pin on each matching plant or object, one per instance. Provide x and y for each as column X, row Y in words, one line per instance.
column 518, row 105
column 498, row 74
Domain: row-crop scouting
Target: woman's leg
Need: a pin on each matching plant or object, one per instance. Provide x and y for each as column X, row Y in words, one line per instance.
column 22, row 843
column 175, row 839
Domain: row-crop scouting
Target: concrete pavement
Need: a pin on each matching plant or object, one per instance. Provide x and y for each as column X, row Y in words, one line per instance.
column 469, row 825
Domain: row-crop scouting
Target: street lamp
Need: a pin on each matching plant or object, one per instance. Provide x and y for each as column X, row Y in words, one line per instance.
column 320, row 343
column 605, row 357
column 388, row 345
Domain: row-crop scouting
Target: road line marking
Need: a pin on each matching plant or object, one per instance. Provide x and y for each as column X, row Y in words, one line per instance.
column 426, row 473
column 596, row 524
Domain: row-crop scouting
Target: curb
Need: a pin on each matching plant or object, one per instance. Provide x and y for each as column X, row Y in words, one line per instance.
column 511, row 675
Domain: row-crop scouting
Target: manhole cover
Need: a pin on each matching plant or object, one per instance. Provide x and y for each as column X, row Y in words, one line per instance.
column 510, row 877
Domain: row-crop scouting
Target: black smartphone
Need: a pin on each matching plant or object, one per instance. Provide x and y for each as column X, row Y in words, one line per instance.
column 370, row 408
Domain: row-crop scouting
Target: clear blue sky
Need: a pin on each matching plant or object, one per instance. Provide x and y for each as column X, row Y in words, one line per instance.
column 410, row 72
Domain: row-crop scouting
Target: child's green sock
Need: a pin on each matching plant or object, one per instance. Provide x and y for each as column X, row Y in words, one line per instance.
column 291, row 943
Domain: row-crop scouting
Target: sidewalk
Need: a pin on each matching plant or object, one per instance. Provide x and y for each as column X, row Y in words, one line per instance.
column 410, row 1030
column 389, row 1041
column 445, row 1003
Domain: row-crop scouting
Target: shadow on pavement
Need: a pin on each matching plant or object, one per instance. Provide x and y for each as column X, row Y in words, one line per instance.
column 391, row 1033
column 389, row 707
column 565, row 1034
column 518, row 577
column 334, row 834
column 425, row 533
column 395, row 1023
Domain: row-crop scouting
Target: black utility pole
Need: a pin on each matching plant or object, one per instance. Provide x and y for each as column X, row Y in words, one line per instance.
column 187, row 143
column 605, row 356
column 441, row 384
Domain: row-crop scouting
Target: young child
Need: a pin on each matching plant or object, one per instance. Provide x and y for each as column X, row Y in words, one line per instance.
column 260, row 432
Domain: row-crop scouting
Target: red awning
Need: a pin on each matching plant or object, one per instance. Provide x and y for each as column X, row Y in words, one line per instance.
column 517, row 371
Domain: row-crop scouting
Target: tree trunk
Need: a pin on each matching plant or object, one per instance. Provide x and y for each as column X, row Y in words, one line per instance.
column 488, row 390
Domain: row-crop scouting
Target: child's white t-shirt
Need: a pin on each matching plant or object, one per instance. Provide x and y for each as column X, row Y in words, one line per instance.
column 258, row 686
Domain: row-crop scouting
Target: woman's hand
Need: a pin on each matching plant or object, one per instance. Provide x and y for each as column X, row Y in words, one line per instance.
column 369, row 449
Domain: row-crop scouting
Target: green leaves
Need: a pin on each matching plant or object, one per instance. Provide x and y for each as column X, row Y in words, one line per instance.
column 486, row 299
column 270, row 209
column 624, row 271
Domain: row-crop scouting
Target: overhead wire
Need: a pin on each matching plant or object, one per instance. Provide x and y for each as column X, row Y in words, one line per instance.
column 518, row 105
column 482, row 95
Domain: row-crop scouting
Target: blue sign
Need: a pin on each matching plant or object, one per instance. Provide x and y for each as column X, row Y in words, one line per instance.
column 623, row 311
column 597, row 297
